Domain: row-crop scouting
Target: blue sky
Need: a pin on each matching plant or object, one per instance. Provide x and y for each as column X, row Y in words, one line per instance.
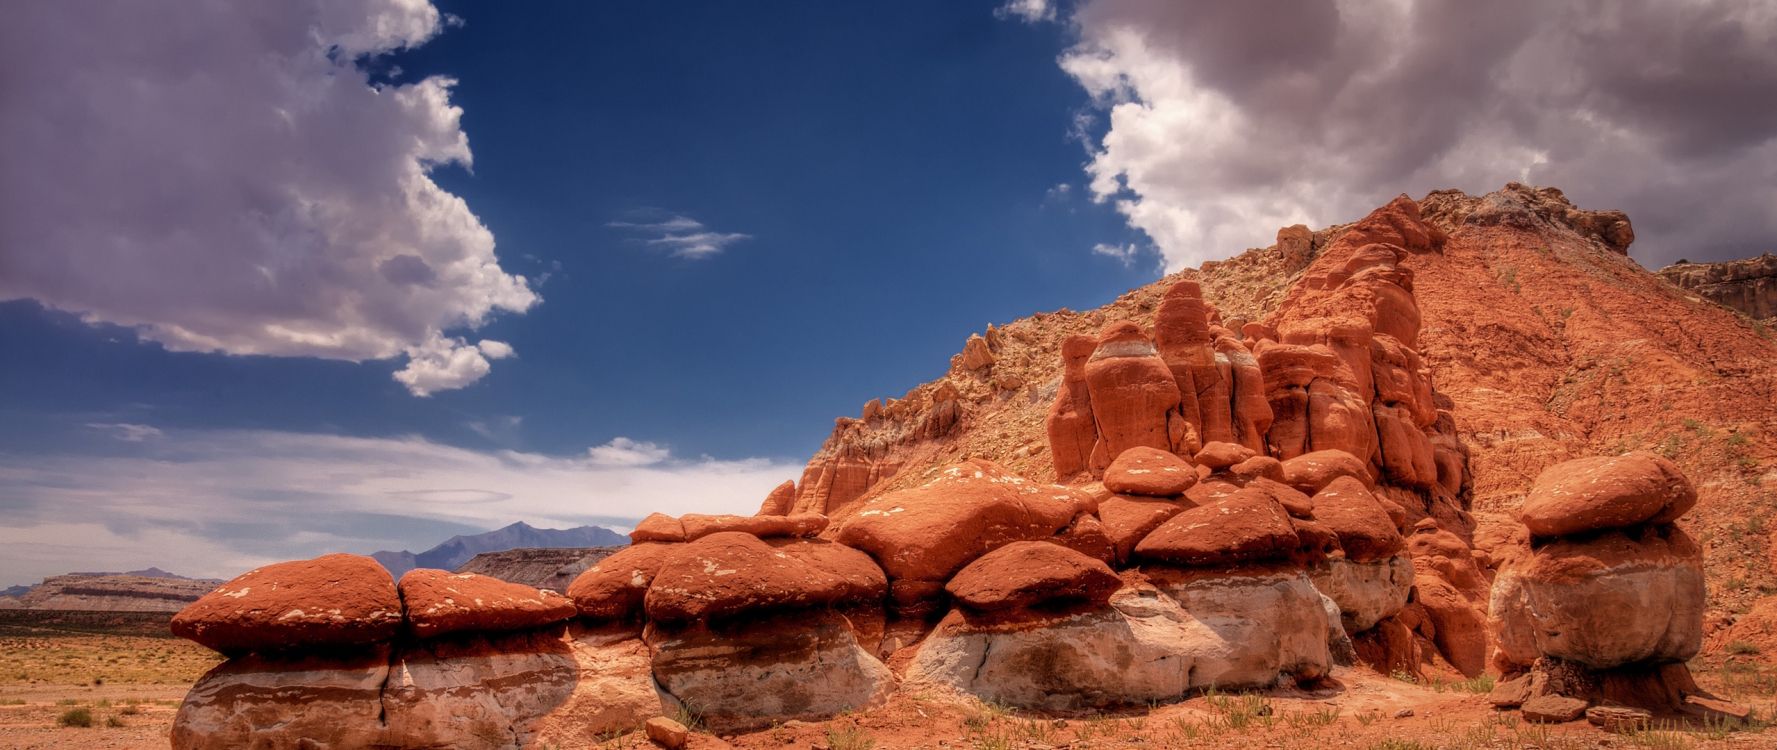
column 355, row 274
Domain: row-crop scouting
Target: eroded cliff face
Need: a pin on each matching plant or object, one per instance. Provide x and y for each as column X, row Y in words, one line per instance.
column 1748, row 285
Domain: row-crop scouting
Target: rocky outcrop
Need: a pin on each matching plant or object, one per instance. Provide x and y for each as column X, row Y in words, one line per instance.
column 1607, row 591
column 1747, row 286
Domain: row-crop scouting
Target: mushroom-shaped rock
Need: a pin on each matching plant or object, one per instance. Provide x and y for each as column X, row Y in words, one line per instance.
column 332, row 600
column 927, row 533
column 1151, row 472
column 658, row 527
column 729, row 572
column 1247, row 526
column 1311, row 472
column 439, row 602
column 613, row 588
column 1353, row 513
column 1027, row 574
column 1221, row 455
column 1606, row 492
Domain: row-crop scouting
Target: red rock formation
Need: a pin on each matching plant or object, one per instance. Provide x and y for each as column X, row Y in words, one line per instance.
column 1149, row 471
column 338, row 600
column 728, row 573
column 1027, row 574
column 1133, row 394
column 1747, row 285
column 1607, row 492
column 436, row 602
column 1248, row 526
column 928, row 533
column 1072, row 430
column 782, row 499
column 614, row 588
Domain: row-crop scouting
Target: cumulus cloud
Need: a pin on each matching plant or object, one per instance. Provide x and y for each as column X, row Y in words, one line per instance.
column 680, row 236
column 1225, row 121
column 214, row 503
column 441, row 364
column 224, row 177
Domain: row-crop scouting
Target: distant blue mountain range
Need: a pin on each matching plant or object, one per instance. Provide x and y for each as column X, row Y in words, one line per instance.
column 458, row 549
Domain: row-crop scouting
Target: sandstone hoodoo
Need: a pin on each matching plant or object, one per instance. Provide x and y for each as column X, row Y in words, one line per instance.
column 1605, row 605
column 1147, row 501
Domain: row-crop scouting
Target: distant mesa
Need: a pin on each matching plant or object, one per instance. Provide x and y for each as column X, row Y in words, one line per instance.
column 151, row 590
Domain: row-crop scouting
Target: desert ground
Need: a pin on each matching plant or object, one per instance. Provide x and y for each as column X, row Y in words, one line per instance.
column 121, row 675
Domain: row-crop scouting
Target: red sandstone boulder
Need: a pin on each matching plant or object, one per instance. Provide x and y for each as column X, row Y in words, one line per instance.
column 698, row 525
column 1087, row 536
column 730, row 572
column 1132, row 393
column 1220, row 455
column 1606, row 492
column 332, row 600
column 439, row 601
column 1245, row 527
column 1151, row 472
column 928, row 533
column 1127, row 520
column 783, row 497
column 1311, row 472
column 613, row 588
column 1294, row 503
column 859, row 578
column 1365, row 531
column 1257, row 467
column 1026, row 574
column 658, row 527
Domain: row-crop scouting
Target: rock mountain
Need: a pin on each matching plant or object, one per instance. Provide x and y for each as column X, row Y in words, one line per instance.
column 1460, row 436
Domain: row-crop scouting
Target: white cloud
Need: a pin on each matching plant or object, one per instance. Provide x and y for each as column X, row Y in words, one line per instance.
column 681, row 236
column 1225, row 121
column 127, row 432
column 441, row 364
column 1124, row 254
column 213, row 503
column 622, row 451
column 1028, row 11
column 223, row 178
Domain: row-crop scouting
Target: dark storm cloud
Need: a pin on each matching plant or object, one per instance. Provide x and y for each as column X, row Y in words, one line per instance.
column 1227, row 120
